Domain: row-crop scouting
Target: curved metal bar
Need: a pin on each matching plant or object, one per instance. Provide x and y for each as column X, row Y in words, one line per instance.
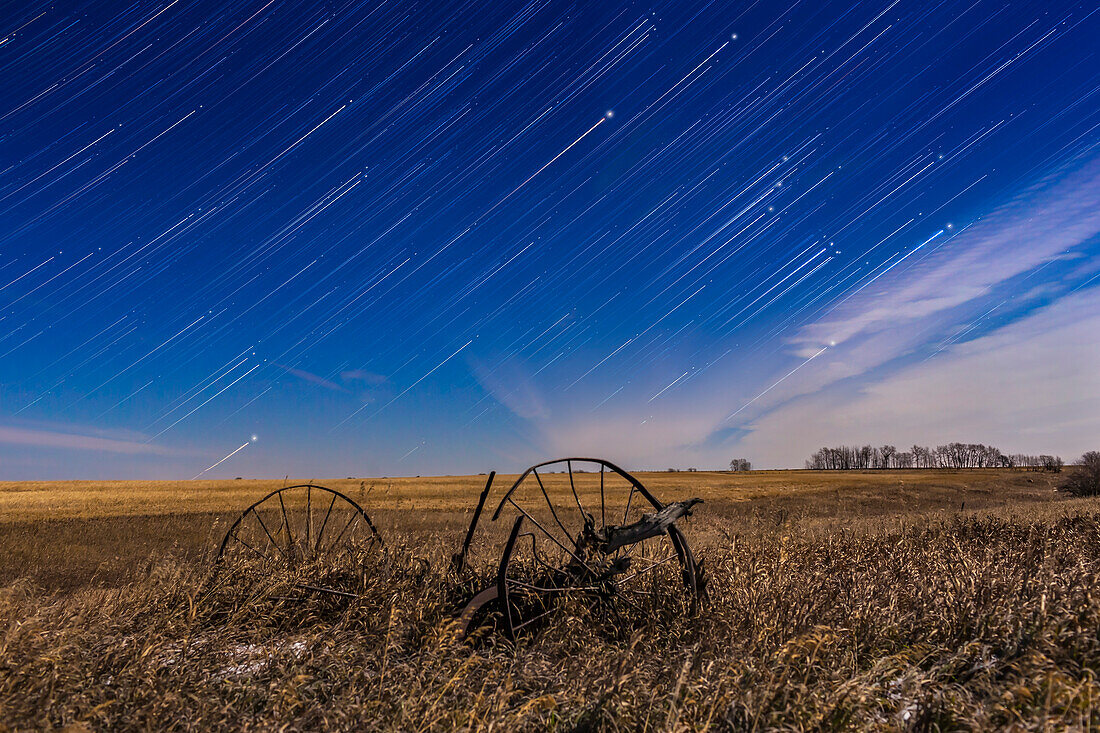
column 573, row 488
column 600, row 461
column 482, row 599
column 537, row 555
column 252, row 507
column 687, row 562
column 502, row 578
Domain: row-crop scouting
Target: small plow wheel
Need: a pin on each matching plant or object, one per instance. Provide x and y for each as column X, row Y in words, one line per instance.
column 297, row 528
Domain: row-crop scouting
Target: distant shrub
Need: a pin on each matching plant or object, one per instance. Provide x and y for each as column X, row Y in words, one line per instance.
column 1084, row 478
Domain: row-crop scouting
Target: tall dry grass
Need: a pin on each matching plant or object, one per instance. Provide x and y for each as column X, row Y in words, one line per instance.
column 68, row 535
column 961, row 622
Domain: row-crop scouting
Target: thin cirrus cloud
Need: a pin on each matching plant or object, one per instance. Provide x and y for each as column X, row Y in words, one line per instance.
column 312, row 378
column 358, row 378
column 512, row 384
column 364, row 377
column 910, row 311
column 65, row 440
column 1037, row 226
column 877, row 334
column 1031, row 386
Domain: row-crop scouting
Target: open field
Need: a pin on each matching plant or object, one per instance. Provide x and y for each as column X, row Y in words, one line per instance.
column 868, row 600
column 68, row 534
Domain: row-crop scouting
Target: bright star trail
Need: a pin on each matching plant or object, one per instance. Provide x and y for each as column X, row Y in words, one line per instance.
column 456, row 237
column 230, row 455
column 777, row 382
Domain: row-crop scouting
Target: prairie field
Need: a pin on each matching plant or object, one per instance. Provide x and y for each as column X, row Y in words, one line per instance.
column 874, row 600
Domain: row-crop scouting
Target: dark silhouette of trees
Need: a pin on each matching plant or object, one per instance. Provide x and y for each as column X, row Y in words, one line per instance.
column 1084, row 477
column 1052, row 463
column 950, row 455
column 740, row 464
column 1034, row 463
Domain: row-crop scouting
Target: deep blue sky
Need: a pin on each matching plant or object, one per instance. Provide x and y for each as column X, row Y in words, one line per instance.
column 448, row 237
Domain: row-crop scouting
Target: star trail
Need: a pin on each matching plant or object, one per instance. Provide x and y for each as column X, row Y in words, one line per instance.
column 361, row 238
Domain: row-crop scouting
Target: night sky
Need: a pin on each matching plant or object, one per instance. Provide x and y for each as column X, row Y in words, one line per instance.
column 347, row 239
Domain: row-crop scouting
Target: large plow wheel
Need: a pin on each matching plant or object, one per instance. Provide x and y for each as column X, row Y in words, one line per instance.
column 297, row 528
column 585, row 526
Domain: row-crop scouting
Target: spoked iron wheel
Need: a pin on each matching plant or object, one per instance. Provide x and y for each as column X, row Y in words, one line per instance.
column 571, row 535
column 297, row 528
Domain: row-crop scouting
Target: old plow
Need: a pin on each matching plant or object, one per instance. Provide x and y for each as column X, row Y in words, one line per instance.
column 576, row 527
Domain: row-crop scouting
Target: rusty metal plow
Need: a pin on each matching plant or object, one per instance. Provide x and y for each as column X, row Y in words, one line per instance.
column 580, row 527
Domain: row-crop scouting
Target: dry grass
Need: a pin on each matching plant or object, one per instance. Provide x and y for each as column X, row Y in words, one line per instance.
column 832, row 604
column 71, row 534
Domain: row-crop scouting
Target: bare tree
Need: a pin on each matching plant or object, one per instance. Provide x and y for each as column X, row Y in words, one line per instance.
column 1084, row 478
column 1052, row 463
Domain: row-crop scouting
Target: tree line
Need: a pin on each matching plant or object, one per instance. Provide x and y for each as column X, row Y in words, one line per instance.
column 952, row 455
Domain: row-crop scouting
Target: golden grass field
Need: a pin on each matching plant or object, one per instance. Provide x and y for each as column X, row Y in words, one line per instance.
column 64, row 534
column 876, row 600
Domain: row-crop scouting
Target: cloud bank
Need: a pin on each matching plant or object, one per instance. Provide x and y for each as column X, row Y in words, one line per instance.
column 1031, row 386
column 907, row 359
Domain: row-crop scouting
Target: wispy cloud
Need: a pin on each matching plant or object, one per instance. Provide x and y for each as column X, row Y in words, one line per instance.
column 312, row 378
column 39, row 438
column 1037, row 226
column 876, row 373
column 360, row 375
column 512, row 384
column 1031, row 386
column 967, row 386
column 910, row 308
